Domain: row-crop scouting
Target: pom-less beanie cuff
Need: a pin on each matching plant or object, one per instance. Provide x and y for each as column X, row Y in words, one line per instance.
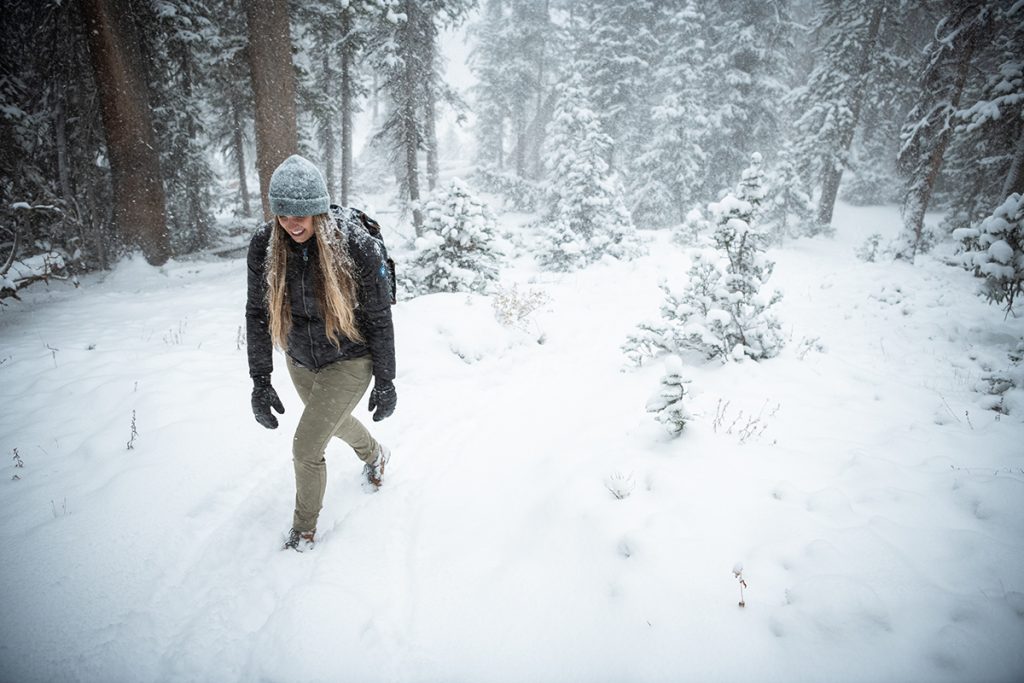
column 298, row 189
column 287, row 206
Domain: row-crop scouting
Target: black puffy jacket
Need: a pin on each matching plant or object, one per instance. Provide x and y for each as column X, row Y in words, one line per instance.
column 308, row 344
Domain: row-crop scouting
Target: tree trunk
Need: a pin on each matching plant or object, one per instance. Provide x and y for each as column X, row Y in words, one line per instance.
column 411, row 135
column 430, row 123
column 346, row 110
column 1015, row 177
column 273, row 81
column 430, row 109
column 239, row 146
column 916, row 203
column 328, row 128
column 833, row 173
column 375, row 99
column 139, row 203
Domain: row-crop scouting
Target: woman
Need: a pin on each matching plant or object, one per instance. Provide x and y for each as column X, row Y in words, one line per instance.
column 319, row 288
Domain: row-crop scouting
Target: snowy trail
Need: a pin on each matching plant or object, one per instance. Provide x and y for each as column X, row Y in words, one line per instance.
column 878, row 515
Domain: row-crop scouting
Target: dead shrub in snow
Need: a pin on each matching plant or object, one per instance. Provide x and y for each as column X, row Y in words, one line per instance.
column 621, row 485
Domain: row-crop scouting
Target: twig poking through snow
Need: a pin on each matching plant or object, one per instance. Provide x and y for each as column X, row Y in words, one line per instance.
column 737, row 571
column 18, row 464
column 135, row 433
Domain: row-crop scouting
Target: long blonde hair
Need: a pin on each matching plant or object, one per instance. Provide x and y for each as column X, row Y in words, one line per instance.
column 334, row 286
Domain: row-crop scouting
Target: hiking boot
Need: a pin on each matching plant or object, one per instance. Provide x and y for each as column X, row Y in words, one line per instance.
column 300, row 540
column 373, row 472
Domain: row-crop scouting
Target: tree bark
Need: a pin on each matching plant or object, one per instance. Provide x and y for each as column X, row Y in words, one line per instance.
column 833, row 173
column 1015, row 177
column 346, row 110
column 430, row 123
column 412, row 142
column 273, row 80
column 430, row 107
column 139, row 202
column 329, row 143
column 239, row 146
column 916, row 203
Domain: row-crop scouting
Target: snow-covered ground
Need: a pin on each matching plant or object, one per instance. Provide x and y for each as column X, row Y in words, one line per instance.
column 875, row 504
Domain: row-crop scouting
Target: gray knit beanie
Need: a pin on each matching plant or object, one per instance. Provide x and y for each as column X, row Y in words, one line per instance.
column 298, row 189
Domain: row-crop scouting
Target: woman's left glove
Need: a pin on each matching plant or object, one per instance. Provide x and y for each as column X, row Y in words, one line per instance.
column 263, row 399
column 383, row 397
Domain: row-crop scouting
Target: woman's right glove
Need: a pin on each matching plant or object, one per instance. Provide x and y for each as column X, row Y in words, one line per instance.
column 263, row 399
column 383, row 398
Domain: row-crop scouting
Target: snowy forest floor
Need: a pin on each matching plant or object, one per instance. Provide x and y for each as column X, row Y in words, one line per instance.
column 875, row 503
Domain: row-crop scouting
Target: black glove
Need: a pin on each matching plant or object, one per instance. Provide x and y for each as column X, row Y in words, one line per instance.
column 383, row 397
column 263, row 399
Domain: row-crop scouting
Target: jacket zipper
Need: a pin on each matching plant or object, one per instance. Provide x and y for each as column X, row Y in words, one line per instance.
column 305, row 306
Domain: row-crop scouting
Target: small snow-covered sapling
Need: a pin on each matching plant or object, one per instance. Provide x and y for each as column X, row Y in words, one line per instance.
column 737, row 571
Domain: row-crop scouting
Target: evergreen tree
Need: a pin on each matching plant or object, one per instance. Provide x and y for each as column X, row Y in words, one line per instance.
column 614, row 60
column 456, row 252
column 790, row 208
column 870, row 175
column 748, row 72
column 273, row 78
column 995, row 251
column 179, row 36
column 585, row 212
column 725, row 310
column 230, row 96
column 667, row 402
column 491, row 105
column 512, row 60
column 52, row 144
column 832, row 100
column 665, row 177
column 928, row 130
column 139, row 200
column 986, row 155
column 409, row 65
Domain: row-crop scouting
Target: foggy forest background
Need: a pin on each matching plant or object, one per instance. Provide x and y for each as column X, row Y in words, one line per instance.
column 138, row 124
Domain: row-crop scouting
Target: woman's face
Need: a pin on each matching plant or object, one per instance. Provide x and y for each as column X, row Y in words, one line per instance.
column 299, row 228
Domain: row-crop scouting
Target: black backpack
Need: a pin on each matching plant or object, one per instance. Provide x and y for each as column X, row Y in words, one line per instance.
column 373, row 227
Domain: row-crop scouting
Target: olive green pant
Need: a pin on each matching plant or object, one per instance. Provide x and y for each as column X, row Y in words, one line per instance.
column 330, row 396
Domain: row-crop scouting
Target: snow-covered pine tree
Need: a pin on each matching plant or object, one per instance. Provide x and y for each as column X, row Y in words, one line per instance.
column 927, row 132
column 871, row 176
column 586, row 218
column 725, row 309
column 995, row 251
column 407, row 59
column 830, row 103
column 615, row 47
column 748, row 70
column 456, row 252
column 985, row 163
column 337, row 36
column 513, row 60
column 491, row 105
column 53, row 150
column 230, row 95
column 790, row 207
column 119, row 65
column 695, row 230
column 667, row 403
column 666, row 177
